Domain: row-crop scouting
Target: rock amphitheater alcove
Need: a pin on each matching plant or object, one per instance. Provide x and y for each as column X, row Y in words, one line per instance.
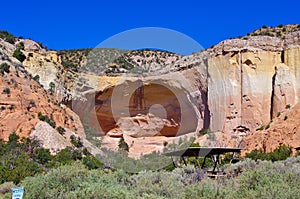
column 144, row 107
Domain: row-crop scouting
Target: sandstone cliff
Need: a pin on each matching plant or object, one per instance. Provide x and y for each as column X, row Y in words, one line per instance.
column 232, row 89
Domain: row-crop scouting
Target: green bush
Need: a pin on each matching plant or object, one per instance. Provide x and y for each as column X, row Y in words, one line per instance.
column 7, row 37
column 45, row 118
column 18, row 54
column 282, row 152
column 42, row 156
column 91, row 162
column 258, row 179
column 260, row 128
column 67, row 156
column 21, row 46
column 278, row 114
column 76, row 141
column 61, row 130
column 123, row 145
column 4, row 67
column 51, row 88
column 204, row 132
column 36, row 78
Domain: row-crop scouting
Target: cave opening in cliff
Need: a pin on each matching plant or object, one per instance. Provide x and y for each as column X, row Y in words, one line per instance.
column 136, row 101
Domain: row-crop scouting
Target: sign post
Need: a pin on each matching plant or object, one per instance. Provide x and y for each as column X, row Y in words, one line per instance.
column 17, row 193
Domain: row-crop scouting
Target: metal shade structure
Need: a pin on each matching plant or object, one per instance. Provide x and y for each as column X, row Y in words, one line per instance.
column 213, row 152
column 202, row 151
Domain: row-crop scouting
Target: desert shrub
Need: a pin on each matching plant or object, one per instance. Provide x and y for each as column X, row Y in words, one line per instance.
column 6, row 91
column 18, row 54
column 204, row 132
column 21, row 46
column 195, row 145
column 4, row 67
column 11, row 107
column 280, row 26
column 42, row 156
column 68, row 64
column 7, row 37
column 61, row 130
column 91, row 162
column 51, row 88
column 257, row 155
column 123, row 145
column 36, row 78
column 76, row 141
column 285, row 117
column 75, row 181
column 6, row 188
column 259, row 179
column 68, row 155
column 268, row 182
column 282, row 152
column 267, row 126
column 209, row 189
column 45, row 118
column 260, row 128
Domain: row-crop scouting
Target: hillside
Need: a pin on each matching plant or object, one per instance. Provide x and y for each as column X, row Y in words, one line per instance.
column 23, row 100
column 279, row 31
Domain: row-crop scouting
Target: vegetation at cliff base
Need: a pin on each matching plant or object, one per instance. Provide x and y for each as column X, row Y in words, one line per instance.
column 247, row 179
column 74, row 173
column 23, row 157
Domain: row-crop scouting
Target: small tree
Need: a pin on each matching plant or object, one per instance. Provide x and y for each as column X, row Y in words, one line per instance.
column 51, row 88
column 19, row 55
column 123, row 145
column 61, row 130
column 4, row 67
column 21, row 46
column 42, row 156
column 36, row 78
column 76, row 141
column 13, row 140
column 91, row 162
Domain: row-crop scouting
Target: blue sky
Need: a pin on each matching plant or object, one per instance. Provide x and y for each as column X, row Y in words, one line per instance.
column 80, row 24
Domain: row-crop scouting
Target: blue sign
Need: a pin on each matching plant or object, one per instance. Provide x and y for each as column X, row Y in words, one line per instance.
column 17, row 193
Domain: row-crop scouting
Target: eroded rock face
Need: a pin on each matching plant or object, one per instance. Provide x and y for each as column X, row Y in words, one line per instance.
column 49, row 137
column 249, row 80
column 241, row 85
column 127, row 106
column 284, row 129
column 147, row 126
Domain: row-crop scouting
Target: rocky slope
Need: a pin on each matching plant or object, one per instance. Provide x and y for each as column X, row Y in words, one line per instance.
column 153, row 97
column 23, row 100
